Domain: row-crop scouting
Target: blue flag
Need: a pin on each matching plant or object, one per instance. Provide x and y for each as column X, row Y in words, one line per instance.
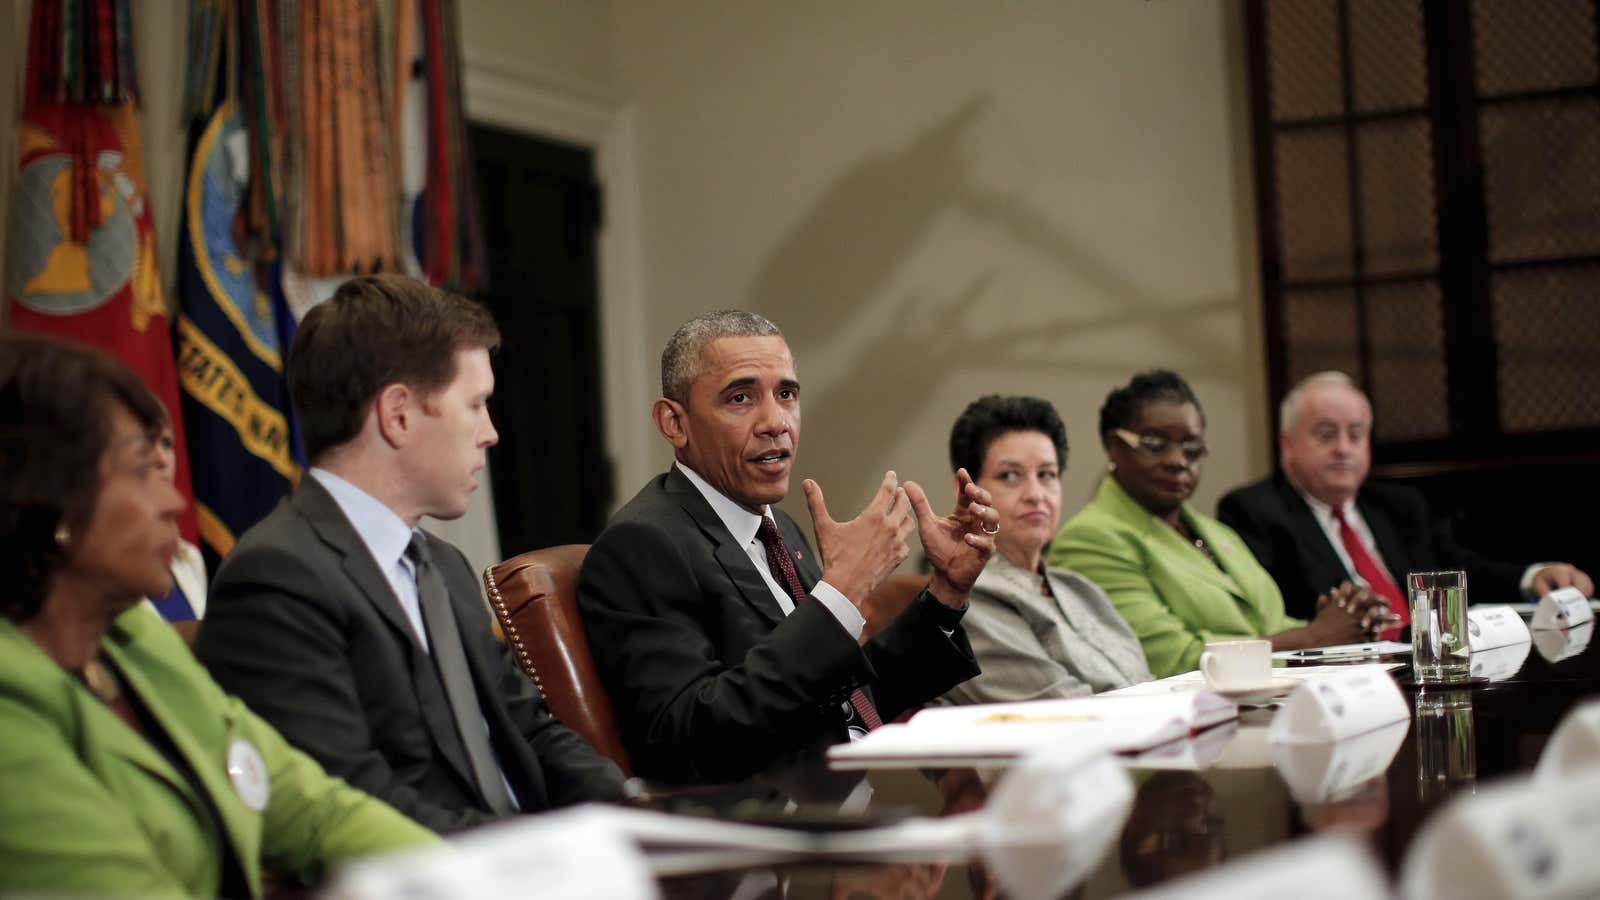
column 233, row 333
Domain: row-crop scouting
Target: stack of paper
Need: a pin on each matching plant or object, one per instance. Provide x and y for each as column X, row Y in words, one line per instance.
column 996, row 733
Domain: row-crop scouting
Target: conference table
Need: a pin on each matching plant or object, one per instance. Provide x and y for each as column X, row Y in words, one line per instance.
column 1232, row 801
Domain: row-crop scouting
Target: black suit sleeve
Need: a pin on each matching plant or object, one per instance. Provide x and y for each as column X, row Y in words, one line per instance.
column 1233, row 512
column 687, row 713
column 271, row 638
column 920, row 655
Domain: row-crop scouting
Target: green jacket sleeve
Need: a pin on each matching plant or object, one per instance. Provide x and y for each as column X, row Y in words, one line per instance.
column 1113, row 561
column 314, row 821
column 62, row 832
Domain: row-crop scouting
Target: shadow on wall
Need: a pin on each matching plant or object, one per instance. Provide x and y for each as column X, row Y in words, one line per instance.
column 841, row 254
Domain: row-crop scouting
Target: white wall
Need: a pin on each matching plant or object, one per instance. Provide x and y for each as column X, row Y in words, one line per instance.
column 937, row 201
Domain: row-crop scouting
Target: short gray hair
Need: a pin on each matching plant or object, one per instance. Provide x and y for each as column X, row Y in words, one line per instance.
column 681, row 360
column 1289, row 411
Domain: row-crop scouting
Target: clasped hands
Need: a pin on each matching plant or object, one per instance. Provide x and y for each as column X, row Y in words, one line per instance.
column 859, row 554
column 1350, row 614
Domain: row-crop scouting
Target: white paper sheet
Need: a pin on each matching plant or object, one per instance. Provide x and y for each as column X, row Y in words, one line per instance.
column 995, row 733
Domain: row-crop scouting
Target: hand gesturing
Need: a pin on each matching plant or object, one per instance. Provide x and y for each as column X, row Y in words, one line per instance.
column 859, row 554
column 959, row 545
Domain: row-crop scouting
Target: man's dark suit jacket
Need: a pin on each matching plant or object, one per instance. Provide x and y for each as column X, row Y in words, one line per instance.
column 303, row 626
column 1281, row 530
column 710, row 680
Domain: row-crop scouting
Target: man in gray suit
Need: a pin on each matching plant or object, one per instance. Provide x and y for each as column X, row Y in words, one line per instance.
column 362, row 638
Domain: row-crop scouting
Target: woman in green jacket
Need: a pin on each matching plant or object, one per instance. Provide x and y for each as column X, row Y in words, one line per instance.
column 124, row 770
column 1181, row 578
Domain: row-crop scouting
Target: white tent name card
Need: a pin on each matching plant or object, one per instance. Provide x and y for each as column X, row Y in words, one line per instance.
column 1352, row 700
column 1330, row 771
column 1575, row 747
column 1500, row 663
column 1562, row 608
column 1495, row 626
column 1516, row 838
column 1051, row 819
column 1559, row 644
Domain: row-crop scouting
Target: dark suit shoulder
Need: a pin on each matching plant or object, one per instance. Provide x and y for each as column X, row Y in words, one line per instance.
column 1264, row 494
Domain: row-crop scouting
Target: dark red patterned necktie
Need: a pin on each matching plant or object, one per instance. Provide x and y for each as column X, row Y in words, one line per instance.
column 783, row 568
column 1372, row 574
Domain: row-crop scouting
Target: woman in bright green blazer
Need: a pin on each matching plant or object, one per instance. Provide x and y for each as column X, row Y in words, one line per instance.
column 1181, row 578
column 124, row 769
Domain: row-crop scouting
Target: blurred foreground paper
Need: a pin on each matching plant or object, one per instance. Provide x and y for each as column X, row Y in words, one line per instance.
column 1517, row 838
column 574, row 854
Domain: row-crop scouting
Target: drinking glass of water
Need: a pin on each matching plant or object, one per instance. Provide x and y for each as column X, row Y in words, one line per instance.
column 1440, row 652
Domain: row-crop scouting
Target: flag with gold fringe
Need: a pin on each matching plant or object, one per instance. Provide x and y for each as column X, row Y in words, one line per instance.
column 234, row 327
column 82, row 254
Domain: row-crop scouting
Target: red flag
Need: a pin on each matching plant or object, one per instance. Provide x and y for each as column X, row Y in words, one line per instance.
column 82, row 252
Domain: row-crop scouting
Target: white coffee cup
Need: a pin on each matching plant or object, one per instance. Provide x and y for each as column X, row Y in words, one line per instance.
column 1237, row 665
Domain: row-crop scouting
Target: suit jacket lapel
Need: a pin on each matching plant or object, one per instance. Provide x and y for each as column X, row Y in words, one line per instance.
column 241, row 827
column 1223, row 577
column 732, row 557
column 1390, row 548
column 1320, row 561
column 325, row 517
column 330, row 524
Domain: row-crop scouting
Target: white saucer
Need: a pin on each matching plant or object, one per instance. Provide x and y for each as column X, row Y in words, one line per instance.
column 1258, row 693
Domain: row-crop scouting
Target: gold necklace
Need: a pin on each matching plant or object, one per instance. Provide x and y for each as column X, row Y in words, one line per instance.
column 100, row 681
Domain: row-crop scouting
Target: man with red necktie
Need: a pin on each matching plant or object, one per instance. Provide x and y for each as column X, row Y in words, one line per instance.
column 725, row 643
column 1319, row 521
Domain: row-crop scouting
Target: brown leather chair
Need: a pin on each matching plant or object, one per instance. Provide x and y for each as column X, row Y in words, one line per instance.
column 889, row 600
column 535, row 600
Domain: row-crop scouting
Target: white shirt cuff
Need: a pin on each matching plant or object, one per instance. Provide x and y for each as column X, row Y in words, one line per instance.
column 841, row 607
column 1526, row 586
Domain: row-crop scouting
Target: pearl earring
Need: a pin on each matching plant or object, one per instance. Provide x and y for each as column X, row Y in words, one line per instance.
column 63, row 536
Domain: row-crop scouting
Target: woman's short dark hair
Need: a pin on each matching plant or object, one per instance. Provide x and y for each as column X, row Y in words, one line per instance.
column 374, row 331
column 987, row 418
column 56, row 400
column 1123, row 405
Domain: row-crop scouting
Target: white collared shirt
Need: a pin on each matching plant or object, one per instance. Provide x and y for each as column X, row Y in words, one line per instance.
column 386, row 537
column 1323, row 513
column 744, row 525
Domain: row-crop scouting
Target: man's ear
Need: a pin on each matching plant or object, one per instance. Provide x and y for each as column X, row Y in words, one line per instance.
column 396, row 409
column 1283, row 445
column 670, row 421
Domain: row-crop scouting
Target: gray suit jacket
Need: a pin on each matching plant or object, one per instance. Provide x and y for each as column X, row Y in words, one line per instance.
column 1032, row 646
column 303, row 626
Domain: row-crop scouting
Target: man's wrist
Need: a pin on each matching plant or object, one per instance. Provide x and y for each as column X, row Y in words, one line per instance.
column 946, row 592
column 852, row 588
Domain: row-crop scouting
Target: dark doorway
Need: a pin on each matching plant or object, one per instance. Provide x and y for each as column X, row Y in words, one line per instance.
column 541, row 215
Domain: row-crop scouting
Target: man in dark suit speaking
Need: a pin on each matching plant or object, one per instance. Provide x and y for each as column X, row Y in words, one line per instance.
column 725, row 643
column 1319, row 521
column 362, row 638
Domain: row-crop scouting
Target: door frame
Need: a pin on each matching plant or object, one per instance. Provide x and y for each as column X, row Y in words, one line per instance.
column 512, row 94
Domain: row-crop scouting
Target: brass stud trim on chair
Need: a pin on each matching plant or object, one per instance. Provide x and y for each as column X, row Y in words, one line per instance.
column 498, row 602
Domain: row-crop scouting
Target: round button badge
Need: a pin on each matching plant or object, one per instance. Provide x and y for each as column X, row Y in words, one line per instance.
column 248, row 772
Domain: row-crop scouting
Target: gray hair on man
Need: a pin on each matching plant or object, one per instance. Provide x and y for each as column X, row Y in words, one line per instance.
column 1289, row 411
column 681, row 360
